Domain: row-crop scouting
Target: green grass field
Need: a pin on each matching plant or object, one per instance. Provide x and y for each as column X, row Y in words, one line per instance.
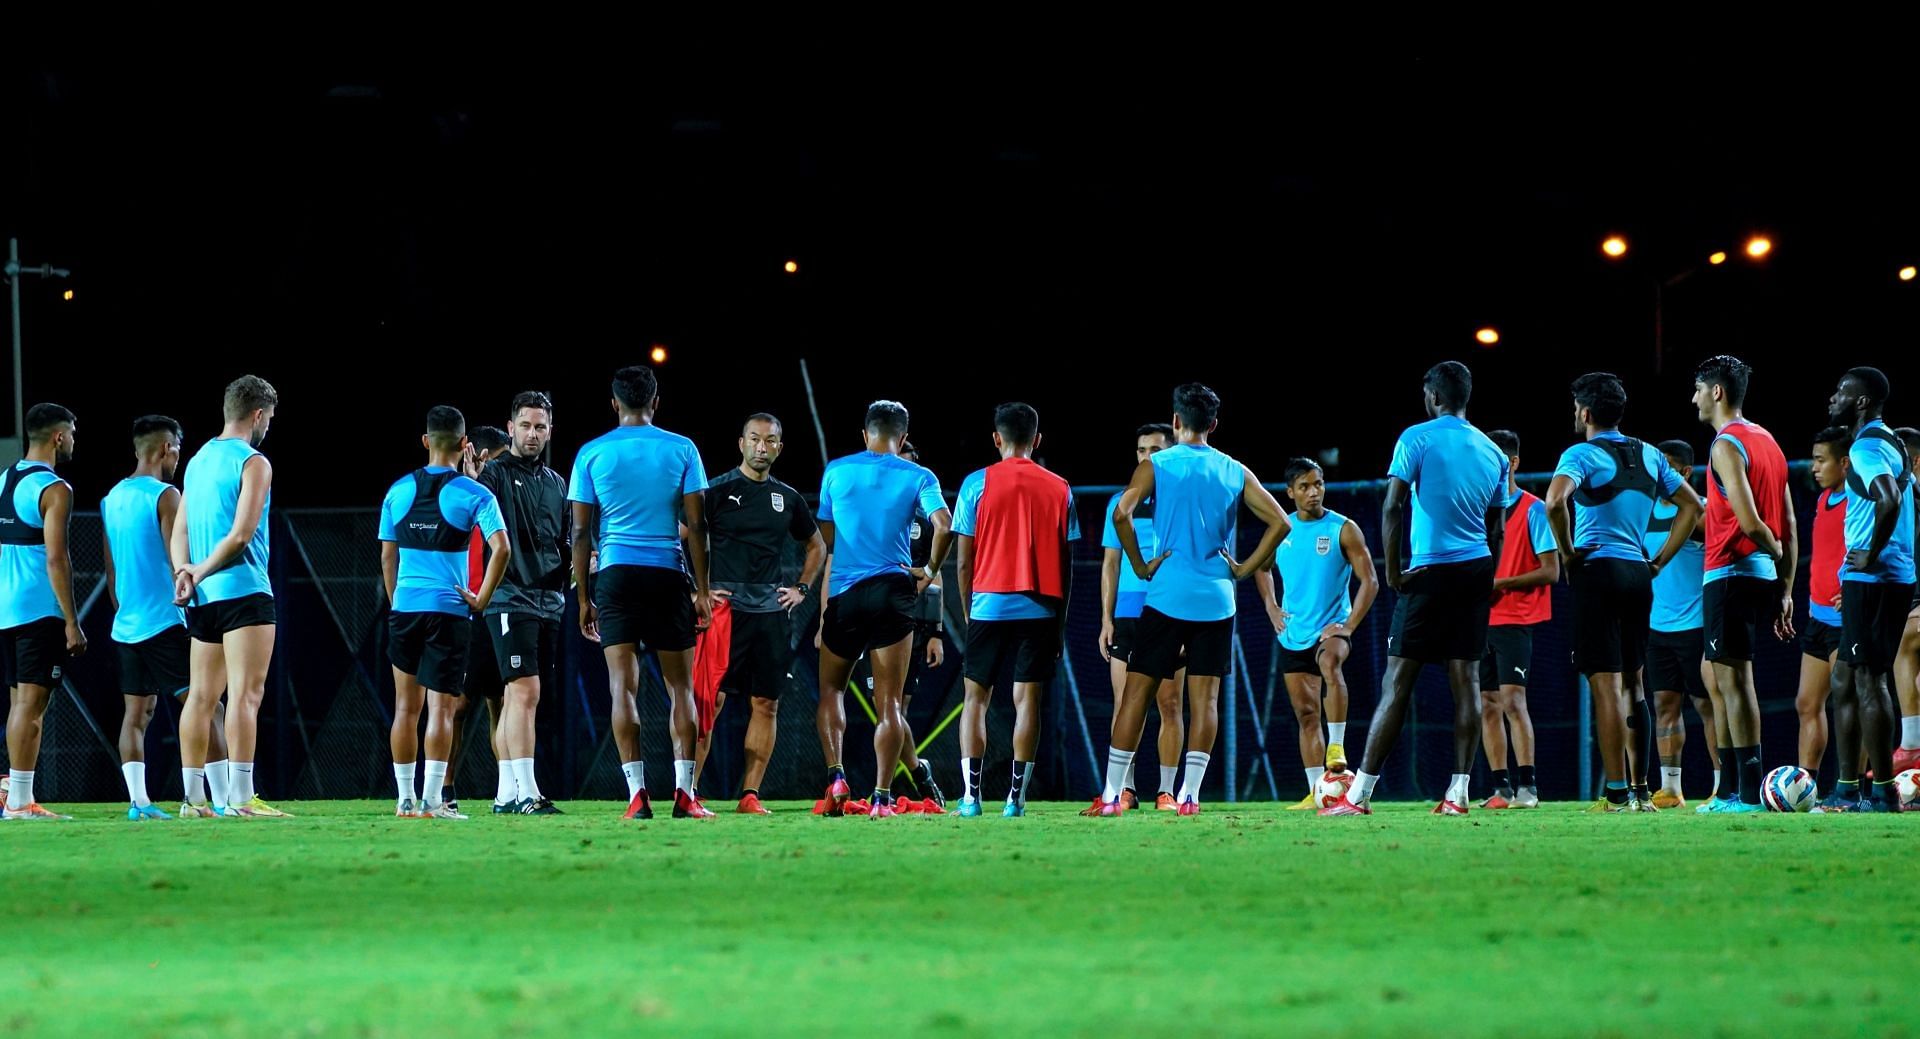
column 1246, row 920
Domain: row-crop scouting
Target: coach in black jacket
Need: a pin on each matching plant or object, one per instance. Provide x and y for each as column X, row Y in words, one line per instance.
column 524, row 617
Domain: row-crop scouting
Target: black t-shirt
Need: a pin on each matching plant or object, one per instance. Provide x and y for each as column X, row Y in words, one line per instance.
column 749, row 523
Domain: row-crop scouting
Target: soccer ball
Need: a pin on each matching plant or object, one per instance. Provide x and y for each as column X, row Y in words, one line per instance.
column 1787, row 789
column 1908, row 785
column 1331, row 788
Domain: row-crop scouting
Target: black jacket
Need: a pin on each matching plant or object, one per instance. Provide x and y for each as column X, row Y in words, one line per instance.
column 533, row 504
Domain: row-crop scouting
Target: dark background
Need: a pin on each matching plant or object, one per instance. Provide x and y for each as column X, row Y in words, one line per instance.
column 454, row 224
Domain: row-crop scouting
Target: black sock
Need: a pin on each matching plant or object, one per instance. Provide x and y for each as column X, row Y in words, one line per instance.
column 923, row 774
column 1526, row 776
column 1889, row 796
column 1729, row 773
column 1500, row 780
column 835, row 774
column 1749, row 759
column 749, row 792
column 1642, row 719
column 1616, row 795
column 1848, row 788
column 882, row 797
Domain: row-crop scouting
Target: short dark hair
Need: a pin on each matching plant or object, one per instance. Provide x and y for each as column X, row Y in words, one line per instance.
column 1729, row 373
column 43, row 419
column 761, row 416
column 1602, row 394
column 1018, row 424
column 246, row 395
column 488, row 438
column 1451, row 383
column 1155, row 429
column 635, row 387
column 887, row 418
column 1298, row 467
column 1838, row 437
column 1197, row 406
column 1873, row 383
column 530, row 399
column 1678, row 450
column 147, row 425
column 1507, row 441
column 445, row 426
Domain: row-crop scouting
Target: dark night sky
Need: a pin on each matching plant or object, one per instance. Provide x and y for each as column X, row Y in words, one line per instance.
column 378, row 237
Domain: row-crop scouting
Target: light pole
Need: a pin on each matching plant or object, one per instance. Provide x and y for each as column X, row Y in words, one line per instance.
column 15, row 446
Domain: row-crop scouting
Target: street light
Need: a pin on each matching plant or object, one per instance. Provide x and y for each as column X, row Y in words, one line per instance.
column 659, row 354
column 1759, row 247
column 1717, row 258
column 1615, row 246
column 14, row 271
column 1907, row 273
column 1487, row 336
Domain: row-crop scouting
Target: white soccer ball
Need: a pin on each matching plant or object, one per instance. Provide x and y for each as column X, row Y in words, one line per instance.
column 1908, row 785
column 1788, row 788
column 1331, row 788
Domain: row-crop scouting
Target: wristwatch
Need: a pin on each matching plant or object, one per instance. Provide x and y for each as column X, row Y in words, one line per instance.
column 803, row 588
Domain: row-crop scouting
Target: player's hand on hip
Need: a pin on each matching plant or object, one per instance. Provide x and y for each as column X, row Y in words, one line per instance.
column 1145, row 573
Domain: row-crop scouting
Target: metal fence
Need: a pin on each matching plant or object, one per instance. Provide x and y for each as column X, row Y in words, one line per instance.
column 323, row 727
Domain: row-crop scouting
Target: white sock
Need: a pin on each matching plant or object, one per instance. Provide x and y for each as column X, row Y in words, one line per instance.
column 636, row 773
column 683, row 775
column 136, row 773
column 1337, row 732
column 193, row 781
column 523, row 778
column 436, row 778
column 1196, row 774
column 509, row 791
column 1362, row 790
column 1670, row 779
column 19, row 788
column 1167, row 774
column 218, row 777
column 1017, row 793
column 1129, row 780
column 1119, row 773
column 970, row 777
column 403, row 779
column 1910, row 732
column 1313, row 778
column 1458, row 791
column 240, row 781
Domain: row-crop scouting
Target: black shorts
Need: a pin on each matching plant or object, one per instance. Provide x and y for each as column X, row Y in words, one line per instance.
column 1031, row 647
column 210, row 623
column 646, row 606
column 1441, row 614
column 1509, row 656
column 431, row 647
column 1873, row 616
column 1821, row 640
column 37, row 652
column 1735, row 609
column 1208, row 646
column 483, row 674
column 1125, row 637
column 1612, row 605
column 760, row 655
column 1673, row 662
column 154, row 666
column 525, row 646
column 875, row 612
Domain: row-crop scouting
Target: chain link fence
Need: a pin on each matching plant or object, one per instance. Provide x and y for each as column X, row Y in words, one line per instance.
column 329, row 704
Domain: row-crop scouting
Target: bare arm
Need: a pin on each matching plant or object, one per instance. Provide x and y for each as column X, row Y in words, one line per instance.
column 942, row 521
column 1393, row 529
column 390, row 568
column 1732, row 471
column 1783, row 624
column 1560, row 518
column 1546, row 573
column 965, row 568
column 113, row 597
column 583, row 527
column 1139, row 489
column 1886, row 515
column 1269, row 589
column 1360, row 558
column 56, row 504
column 1261, row 503
column 502, row 551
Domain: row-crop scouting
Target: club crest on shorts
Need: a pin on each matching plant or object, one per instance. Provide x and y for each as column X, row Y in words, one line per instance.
column 779, row 501
column 1323, row 545
column 513, row 661
column 56, row 674
column 914, row 534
